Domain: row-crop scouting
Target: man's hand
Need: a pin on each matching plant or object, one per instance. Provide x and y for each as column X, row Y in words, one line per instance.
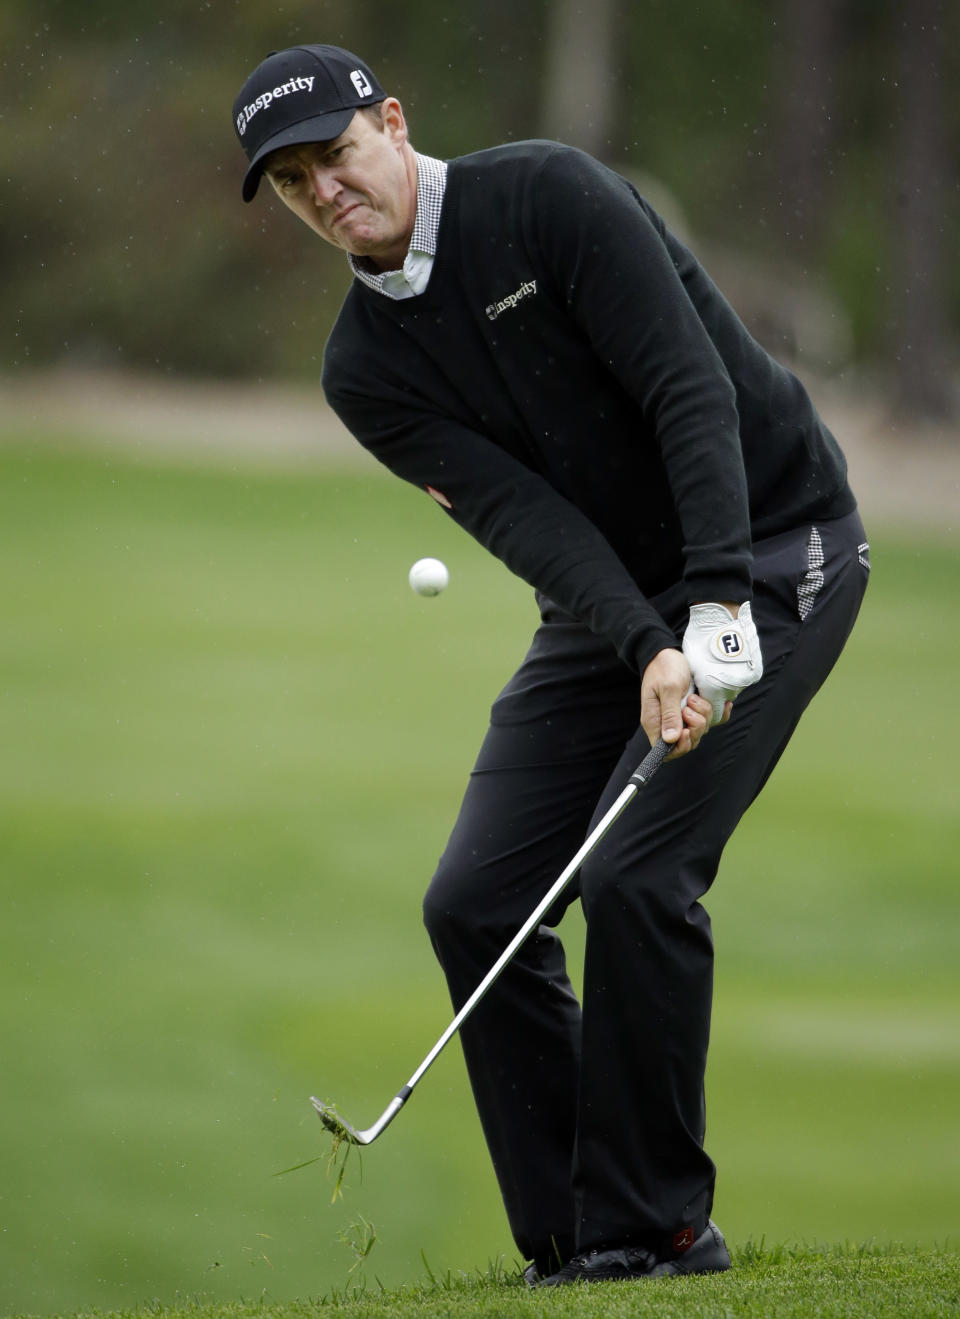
column 723, row 652
column 669, row 707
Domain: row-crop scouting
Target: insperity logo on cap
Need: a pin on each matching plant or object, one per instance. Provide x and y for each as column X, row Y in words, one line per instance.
column 304, row 94
column 265, row 98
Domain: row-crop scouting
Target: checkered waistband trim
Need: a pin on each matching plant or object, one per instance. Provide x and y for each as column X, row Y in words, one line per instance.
column 811, row 584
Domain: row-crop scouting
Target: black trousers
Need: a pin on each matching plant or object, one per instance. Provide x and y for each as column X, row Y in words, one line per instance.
column 594, row 1112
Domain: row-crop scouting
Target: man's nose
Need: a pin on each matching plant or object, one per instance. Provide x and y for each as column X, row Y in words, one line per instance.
column 323, row 185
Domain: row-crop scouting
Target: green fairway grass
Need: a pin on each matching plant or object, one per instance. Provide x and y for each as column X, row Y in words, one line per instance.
column 836, row 1282
column 233, row 744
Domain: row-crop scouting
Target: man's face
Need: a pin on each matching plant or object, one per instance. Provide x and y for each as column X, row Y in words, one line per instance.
column 358, row 191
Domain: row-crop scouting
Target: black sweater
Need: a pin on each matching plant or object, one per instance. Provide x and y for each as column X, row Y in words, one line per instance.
column 578, row 395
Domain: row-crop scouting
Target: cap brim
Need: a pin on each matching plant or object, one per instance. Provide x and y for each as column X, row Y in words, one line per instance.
column 319, row 128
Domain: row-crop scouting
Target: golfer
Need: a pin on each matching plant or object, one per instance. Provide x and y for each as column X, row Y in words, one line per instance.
column 527, row 344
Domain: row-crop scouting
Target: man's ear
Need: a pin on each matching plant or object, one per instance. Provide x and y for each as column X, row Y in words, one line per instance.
column 394, row 123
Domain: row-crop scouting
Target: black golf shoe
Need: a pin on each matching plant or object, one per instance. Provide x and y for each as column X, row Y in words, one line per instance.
column 708, row 1254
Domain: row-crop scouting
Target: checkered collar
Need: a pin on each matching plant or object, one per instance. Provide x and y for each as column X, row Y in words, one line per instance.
column 431, row 185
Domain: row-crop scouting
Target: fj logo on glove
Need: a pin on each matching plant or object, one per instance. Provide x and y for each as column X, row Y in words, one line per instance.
column 723, row 651
column 729, row 645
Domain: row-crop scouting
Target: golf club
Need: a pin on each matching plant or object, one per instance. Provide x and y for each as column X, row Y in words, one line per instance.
column 338, row 1125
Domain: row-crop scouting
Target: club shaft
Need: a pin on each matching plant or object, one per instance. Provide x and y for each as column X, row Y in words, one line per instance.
column 647, row 768
column 650, row 764
column 526, row 929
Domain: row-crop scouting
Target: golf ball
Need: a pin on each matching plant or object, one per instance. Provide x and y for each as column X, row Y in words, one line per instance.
column 429, row 576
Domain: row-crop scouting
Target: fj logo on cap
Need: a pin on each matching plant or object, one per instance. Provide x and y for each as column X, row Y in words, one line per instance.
column 361, row 83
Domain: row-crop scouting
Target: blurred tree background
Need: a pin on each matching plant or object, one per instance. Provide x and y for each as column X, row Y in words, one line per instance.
column 808, row 148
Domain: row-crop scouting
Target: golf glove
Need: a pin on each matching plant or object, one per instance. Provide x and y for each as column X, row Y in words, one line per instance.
column 723, row 653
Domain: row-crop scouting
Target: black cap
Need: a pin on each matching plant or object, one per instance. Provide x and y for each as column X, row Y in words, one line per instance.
column 304, row 94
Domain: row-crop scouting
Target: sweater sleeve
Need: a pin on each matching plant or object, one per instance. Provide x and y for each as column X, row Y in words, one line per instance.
column 609, row 260
column 512, row 511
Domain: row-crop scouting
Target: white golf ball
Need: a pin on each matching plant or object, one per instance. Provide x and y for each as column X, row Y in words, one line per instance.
column 429, row 576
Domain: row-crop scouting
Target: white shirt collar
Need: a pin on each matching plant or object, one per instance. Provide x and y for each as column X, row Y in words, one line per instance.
column 414, row 275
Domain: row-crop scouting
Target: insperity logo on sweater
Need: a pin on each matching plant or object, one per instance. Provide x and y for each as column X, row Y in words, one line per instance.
column 525, row 290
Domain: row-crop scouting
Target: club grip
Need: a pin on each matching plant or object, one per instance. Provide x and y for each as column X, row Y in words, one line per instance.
column 651, row 762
